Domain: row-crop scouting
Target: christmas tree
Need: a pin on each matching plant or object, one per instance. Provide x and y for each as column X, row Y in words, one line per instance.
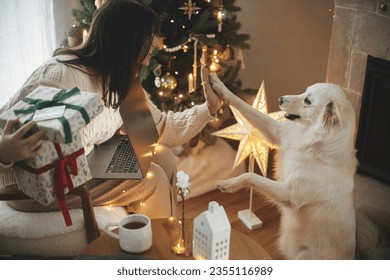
column 193, row 33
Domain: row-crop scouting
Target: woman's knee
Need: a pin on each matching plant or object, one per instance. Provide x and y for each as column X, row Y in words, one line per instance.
column 165, row 158
column 156, row 204
column 156, row 173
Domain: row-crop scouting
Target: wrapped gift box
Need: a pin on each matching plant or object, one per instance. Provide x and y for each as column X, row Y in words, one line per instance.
column 57, row 170
column 58, row 112
column 61, row 165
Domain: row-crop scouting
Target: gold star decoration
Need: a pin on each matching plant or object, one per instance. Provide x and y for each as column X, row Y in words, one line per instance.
column 251, row 140
column 190, row 8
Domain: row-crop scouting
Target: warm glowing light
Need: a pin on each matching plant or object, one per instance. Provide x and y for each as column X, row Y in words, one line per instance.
column 85, row 35
column 149, row 175
column 183, row 26
column 219, row 16
column 161, row 93
column 213, row 67
column 190, row 83
column 180, row 95
column 203, row 58
column 172, row 21
column 181, row 249
column 123, row 191
column 251, row 140
column 192, row 103
column 176, row 73
column 165, row 46
column 215, row 52
column 155, row 148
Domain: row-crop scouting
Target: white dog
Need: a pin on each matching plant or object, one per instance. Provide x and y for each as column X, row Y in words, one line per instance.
column 315, row 189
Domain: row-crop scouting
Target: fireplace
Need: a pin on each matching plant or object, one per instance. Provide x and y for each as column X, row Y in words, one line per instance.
column 373, row 137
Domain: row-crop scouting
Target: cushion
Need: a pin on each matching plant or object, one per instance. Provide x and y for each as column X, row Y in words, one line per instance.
column 45, row 234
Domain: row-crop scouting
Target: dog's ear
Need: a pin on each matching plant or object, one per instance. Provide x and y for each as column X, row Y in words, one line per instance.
column 329, row 116
column 338, row 112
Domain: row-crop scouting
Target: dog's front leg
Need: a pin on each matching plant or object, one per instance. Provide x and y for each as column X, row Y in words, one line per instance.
column 276, row 190
column 270, row 128
column 233, row 184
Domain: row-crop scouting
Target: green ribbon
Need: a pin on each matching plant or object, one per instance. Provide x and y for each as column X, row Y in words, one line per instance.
column 38, row 104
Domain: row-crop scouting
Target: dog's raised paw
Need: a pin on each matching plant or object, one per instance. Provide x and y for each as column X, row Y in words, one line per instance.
column 225, row 187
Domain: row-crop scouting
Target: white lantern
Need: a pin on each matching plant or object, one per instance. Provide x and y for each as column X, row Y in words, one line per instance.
column 211, row 236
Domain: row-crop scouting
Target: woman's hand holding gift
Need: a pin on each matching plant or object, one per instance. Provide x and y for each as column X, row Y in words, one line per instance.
column 21, row 144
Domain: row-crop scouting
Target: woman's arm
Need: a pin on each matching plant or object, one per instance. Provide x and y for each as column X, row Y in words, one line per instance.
column 176, row 128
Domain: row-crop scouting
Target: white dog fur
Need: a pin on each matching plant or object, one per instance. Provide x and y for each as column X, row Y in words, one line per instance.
column 316, row 167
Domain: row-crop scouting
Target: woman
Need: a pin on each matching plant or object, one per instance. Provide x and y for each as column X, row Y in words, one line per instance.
column 120, row 37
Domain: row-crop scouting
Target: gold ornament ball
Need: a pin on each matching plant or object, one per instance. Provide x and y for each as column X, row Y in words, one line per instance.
column 226, row 54
column 214, row 67
column 168, row 82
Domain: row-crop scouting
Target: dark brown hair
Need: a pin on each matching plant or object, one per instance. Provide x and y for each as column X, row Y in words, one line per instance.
column 119, row 39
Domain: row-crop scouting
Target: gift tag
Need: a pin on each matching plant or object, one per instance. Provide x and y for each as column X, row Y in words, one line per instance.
column 49, row 113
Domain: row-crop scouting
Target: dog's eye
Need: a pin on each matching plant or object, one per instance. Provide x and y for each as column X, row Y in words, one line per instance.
column 307, row 101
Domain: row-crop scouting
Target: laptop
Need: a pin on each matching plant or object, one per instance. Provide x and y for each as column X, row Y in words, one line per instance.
column 127, row 156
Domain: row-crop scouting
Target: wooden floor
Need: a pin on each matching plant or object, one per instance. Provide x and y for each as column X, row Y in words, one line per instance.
column 266, row 236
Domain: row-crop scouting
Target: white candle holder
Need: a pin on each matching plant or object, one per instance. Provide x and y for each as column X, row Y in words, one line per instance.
column 181, row 247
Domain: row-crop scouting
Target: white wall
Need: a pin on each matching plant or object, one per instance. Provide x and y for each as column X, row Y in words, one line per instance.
column 289, row 44
column 63, row 17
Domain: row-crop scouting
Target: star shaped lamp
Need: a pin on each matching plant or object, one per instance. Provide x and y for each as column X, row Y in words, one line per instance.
column 252, row 145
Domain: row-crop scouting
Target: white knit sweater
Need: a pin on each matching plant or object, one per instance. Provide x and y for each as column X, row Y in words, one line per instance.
column 174, row 128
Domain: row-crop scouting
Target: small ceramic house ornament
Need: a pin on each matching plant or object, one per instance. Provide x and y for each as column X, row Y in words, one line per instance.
column 211, row 238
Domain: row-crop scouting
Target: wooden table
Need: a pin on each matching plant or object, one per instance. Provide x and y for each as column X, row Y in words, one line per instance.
column 166, row 232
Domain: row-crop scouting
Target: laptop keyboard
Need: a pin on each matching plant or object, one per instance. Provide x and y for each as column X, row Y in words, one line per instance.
column 124, row 159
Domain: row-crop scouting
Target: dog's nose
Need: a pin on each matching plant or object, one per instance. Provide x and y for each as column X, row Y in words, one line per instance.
column 280, row 99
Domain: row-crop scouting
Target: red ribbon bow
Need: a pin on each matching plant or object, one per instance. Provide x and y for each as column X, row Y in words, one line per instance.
column 63, row 168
